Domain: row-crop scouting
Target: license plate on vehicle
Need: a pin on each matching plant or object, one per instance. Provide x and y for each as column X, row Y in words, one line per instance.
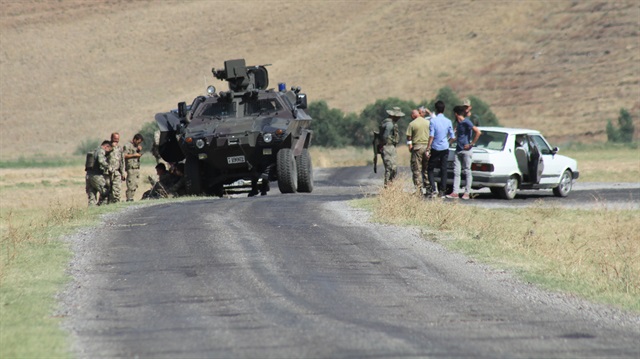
column 235, row 159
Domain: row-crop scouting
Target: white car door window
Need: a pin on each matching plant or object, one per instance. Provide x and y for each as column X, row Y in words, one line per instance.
column 551, row 166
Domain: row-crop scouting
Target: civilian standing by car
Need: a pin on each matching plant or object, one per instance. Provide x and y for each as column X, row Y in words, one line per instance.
column 132, row 152
column 440, row 137
column 389, row 137
column 417, row 140
column 464, row 151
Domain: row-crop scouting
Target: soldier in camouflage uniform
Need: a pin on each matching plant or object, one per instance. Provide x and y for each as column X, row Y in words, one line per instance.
column 389, row 137
column 132, row 152
column 161, row 186
column 98, row 176
column 116, row 163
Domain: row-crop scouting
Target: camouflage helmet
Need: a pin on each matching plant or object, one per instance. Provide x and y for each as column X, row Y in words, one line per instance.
column 395, row 112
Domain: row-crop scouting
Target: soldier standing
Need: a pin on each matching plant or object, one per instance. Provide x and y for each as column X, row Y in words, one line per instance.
column 389, row 137
column 98, row 175
column 417, row 140
column 116, row 163
column 132, row 152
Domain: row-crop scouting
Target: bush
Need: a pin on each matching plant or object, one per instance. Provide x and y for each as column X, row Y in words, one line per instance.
column 147, row 133
column 87, row 145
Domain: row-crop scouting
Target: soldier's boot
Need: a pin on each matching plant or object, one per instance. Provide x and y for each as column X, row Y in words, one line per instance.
column 264, row 187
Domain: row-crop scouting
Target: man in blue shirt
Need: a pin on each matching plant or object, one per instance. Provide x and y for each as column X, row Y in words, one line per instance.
column 440, row 137
column 464, row 150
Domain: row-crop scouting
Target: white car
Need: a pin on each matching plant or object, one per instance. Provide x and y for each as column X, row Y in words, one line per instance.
column 508, row 159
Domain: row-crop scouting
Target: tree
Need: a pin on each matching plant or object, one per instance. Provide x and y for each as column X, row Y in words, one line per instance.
column 372, row 116
column 482, row 113
column 147, row 131
column 624, row 132
column 88, row 145
column 450, row 99
column 626, row 126
column 329, row 128
column 613, row 135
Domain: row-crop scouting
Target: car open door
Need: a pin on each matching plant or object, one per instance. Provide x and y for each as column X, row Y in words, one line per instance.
column 552, row 168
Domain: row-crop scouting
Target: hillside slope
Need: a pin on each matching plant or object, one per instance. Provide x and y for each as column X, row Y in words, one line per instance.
column 73, row 70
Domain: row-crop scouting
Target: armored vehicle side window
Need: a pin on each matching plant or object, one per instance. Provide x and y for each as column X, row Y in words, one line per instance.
column 262, row 106
column 218, row 109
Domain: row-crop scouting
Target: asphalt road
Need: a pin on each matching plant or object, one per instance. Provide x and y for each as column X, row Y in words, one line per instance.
column 305, row 276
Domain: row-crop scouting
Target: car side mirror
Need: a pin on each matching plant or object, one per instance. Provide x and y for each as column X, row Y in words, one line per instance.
column 555, row 150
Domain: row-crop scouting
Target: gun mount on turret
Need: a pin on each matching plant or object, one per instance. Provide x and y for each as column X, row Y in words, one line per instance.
column 247, row 134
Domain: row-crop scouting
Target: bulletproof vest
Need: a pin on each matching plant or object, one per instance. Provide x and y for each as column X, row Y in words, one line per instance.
column 96, row 165
column 89, row 161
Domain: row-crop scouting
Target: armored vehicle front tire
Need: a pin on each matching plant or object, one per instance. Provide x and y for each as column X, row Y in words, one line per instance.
column 193, row 178
column 305, row 172
column 287, row 173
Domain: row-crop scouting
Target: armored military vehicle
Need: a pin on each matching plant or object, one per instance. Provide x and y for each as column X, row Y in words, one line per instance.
column 248, row 134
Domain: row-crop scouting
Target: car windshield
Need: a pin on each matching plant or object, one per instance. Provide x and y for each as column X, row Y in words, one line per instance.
column 492, row 140
column 262, row 106
column 218, row 109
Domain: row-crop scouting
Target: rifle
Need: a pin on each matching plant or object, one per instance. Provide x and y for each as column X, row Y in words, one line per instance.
column 375, row 143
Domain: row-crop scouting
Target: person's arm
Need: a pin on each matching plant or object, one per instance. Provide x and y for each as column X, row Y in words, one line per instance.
column 409, row 142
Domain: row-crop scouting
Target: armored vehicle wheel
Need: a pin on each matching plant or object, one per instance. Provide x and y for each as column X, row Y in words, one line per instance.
column 192, row 174
column 287, row 173
column 305, row 172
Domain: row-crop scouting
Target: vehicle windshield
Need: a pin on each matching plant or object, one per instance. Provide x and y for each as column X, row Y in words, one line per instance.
column 218, row 109
column 262, row 106
column 492, row 140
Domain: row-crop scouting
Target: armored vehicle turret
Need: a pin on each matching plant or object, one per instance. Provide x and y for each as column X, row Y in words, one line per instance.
column 248, row 134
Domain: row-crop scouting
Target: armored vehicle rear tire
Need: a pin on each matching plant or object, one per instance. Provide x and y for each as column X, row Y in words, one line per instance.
column 193, row 178
column 287, row 173
column 305, row 172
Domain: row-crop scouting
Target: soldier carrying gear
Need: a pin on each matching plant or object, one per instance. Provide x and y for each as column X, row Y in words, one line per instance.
column 132, row 152
column 388, row 139
column 97, row 176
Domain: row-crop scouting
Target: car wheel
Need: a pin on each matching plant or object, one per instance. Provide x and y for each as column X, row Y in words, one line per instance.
column 287, row 173
column 509, row 191
column 193, row 180
column 565, row 185
column 305, row 172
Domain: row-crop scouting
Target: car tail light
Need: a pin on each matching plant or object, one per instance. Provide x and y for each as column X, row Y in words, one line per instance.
column 484, row 167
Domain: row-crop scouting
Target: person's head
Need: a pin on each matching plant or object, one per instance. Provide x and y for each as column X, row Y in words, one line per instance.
column 439, row 106
column 137, row 139
column 106, row 145
column 115, row 139
column 460, row 113
column 467, row 110
column 161, row 169
column 415, row 114
column 422, row 111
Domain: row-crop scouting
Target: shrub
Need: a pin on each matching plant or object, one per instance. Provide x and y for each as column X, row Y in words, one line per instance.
column 87, row 145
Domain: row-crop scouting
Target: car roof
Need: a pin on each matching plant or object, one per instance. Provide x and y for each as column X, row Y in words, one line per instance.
column 509, row 130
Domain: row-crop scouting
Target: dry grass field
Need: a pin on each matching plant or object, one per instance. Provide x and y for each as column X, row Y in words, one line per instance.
column 75, row 69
